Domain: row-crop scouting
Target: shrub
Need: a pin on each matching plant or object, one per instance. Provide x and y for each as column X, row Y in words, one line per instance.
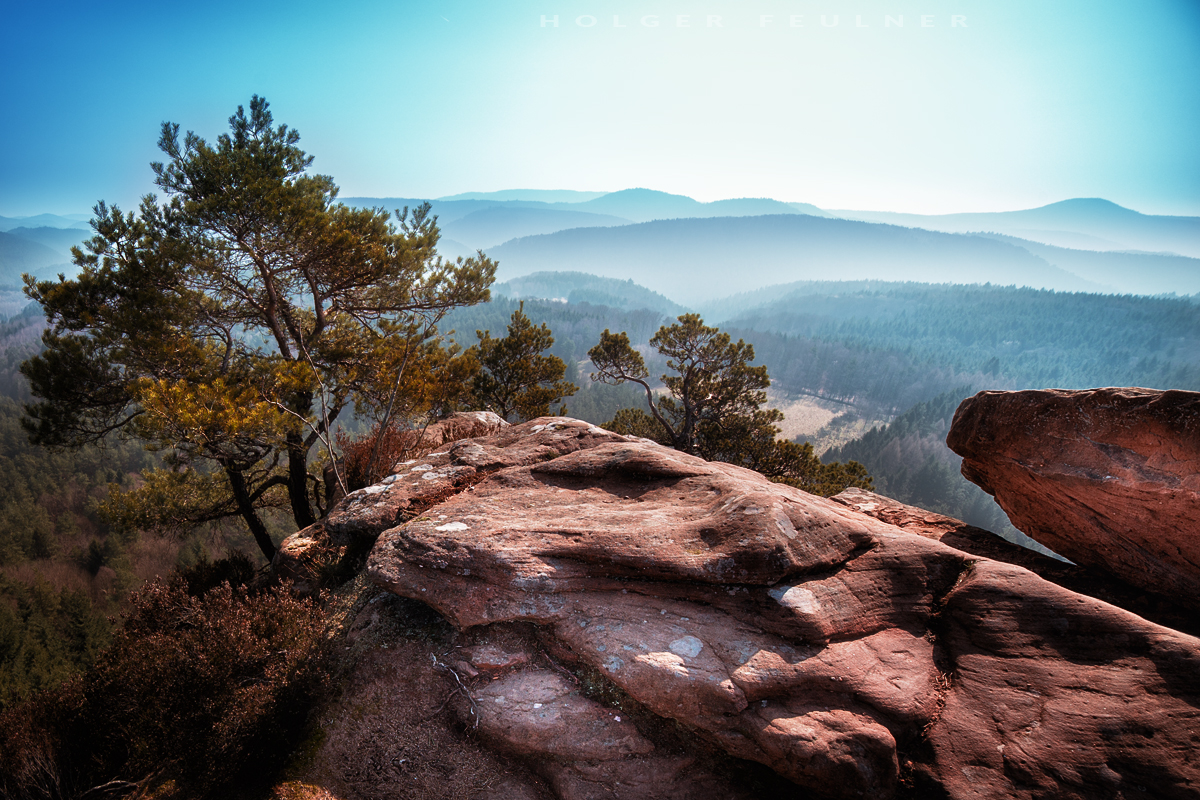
column 196, row 695
column 370, row 458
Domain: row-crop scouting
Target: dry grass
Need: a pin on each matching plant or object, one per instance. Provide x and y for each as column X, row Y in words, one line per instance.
column 802, row 416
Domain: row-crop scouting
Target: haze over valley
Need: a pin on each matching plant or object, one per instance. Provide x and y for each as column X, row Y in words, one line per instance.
column 677, row 436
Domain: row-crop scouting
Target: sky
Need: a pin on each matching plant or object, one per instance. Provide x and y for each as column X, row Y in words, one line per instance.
column 923, row 106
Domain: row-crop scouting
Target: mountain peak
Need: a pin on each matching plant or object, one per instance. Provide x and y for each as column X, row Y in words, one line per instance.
column 648, row 194
column 1088, row 205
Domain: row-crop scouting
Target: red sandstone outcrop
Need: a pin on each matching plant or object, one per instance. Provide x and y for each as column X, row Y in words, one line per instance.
column 1106, row 477
column 413, row 486
column 1080, row 578
column 848, row 654
column 461, row 425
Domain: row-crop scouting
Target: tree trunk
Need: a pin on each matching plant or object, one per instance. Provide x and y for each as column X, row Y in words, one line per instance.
column 241, row 495
column 297, row 454
column 298, row 481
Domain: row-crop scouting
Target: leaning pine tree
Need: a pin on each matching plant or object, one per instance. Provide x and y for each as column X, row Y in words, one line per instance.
column 230, row 324
column 713, row 406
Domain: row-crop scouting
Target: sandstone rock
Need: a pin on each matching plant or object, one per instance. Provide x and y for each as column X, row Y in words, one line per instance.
column 798, row 632
column 361, row 515
column 537, row 712
column 461, row 425
column 420, row 483
column 1106, row 477
column 579, row 541
column 1058, row 695
column 300, row 557
column 416, row 485
column 1080, row 578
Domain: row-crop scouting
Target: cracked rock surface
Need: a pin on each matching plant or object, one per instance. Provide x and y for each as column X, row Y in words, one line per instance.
column 853, row 657
column 1104, row 477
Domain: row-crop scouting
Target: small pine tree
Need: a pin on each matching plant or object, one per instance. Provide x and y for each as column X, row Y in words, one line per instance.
column 515, row 380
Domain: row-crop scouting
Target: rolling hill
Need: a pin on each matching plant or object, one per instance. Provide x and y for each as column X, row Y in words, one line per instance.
column 19, row 255
column 693, row 260
column 492, row 226
column 578, row 287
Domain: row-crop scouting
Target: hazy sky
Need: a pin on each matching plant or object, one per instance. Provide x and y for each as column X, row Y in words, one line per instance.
column 968, row 105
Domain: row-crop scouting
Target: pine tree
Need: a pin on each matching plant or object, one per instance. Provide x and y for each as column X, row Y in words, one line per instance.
column 515, row 379
column 233, row 322
column 713, row 406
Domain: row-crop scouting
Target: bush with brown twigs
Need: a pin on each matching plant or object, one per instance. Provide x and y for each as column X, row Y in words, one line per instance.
column 198, row 696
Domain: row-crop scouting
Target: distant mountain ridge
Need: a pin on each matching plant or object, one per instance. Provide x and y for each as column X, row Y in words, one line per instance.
column 1081, row 244
column 19, row 255
column 644, row 205
column 693, row 260
column 42, row 221
column 541, row 195
column 635, row 205
column 1081, row 224
column 476, row 220
column 1095, row 218
column 488, row 227
column 60, row 240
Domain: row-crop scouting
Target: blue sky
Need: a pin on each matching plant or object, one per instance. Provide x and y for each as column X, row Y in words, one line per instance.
column 1019, row 104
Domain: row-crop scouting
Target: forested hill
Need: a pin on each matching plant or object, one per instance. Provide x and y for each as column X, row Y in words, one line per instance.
column 579, row 287
column 898, row 344
column 1135, row 272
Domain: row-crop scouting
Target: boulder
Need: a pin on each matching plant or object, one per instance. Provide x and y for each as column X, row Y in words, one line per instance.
column 853, row 656
column 1080, row 578
column 460, row 425
column 420, row 483
column 301, row 557
column 1106, row 477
